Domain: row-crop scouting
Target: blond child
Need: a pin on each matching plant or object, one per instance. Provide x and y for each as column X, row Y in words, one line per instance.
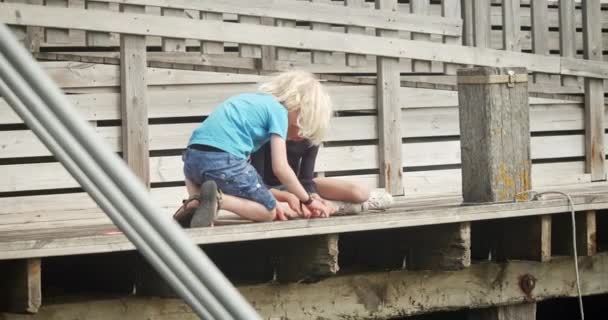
column 216, row 163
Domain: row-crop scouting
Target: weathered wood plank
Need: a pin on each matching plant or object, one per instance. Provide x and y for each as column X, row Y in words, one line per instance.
column 173, row 44
column 211, row 47
column 318, row 13
column 451, row 8
column 320, row 56
column 20, row 286
column 448, row 249
column 55, row 35
column 420, row 7
column 481, row 23
column 511, row 25
column 355, row 59
column 316, row 259
column 540, row 31
column 594, row 94
column 567, row 36
column 134, row 101
column 248, row 51
column 468, row 23
column 387, row 89
column 373, row 295
column 97, row 39
column 262, row 35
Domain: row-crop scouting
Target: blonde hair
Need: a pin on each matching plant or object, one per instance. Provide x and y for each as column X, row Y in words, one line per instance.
column 300, row 91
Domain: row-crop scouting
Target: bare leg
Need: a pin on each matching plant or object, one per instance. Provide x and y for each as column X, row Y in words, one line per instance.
column 193, row 189
column 340, row 190
column 247, row 209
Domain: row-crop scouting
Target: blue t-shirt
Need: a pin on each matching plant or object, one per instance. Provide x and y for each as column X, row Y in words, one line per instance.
column 242, row 124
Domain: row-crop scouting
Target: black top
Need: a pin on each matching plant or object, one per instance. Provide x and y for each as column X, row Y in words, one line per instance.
column 301, row 156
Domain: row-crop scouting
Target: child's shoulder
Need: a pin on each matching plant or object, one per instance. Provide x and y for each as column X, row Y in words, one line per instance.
column 257, row 99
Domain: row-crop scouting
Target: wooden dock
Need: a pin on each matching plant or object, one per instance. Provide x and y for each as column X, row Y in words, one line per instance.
column 380, row 62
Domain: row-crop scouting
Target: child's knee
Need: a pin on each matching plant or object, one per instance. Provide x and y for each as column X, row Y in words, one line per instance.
column 272, row 214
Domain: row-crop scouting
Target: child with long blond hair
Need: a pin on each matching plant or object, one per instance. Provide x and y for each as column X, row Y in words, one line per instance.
column 217, row 171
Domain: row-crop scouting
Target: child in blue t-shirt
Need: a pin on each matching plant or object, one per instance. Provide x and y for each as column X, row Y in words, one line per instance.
column 216, row 163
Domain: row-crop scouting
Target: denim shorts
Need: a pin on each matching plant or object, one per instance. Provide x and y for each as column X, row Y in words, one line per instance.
column 234, row 176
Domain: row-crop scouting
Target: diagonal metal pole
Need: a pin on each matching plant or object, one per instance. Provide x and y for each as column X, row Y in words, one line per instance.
column 131, row 196
column 103, row 202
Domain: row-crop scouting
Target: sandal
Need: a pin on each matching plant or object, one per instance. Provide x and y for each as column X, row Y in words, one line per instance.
column 206, row 213
column 184, row 214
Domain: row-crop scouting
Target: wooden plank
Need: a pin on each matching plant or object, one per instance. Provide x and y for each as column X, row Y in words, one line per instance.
column 449, row 249
column 20, row 288
column 134, row 101
column 526, row 311
column 286, row 53
column 55, row 35
column 468, row 23
column 389, row 126
column 173, row 44
column 511, row 25
column 539, row 33
column 268, row 62
column 355, row 59
column 248, row 51
column 317, row 12
column 262, row 35
column 451, row 8
column 211, row 47
column 567, row 36
column 594, row 94
column 97, row 39
column 420, row 7
column 321, row 57
column 369, row 295
column 481, row 23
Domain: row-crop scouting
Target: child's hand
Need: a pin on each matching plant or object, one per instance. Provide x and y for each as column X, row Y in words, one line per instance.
column 294, row 203
column 318, row 209
column 286, row 211
column 330, row 206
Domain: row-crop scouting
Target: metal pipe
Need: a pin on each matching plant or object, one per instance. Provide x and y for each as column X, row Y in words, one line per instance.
column 89, row 166
column 100, row 199
column 133, row 189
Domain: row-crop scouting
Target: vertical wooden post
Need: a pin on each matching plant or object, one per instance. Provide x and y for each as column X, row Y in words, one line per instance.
column 526, row 311
column 316, row 258
column 567, row 36
column 269, row 54
column 420, row 7
column 481, row 23
column 96, row 39
column 54, row 35
column 495, row 151
column 212, row 47
column 321, row 57
column 389, row 113
column 468, row 35
column 355, row 60
column 20, row 286
column 286, row 53
column 172, row 44
column 448, row 249
column 594, row 93
column 134, row 100
column 450, row 8
column 511, row 27
column 540, row 33
column 245, row 50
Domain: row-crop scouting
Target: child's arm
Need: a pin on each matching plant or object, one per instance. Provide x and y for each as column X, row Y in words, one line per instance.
column 290, row 198
column 285, row 174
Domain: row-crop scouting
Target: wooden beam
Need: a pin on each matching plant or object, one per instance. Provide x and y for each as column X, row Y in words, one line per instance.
column 321, row 57
column 525, row 311
column 316, row 258
column 481, row 23
column 468, row 23
column 248, row 51
column 55, row 35
column 370, row 295
column 448, row 249
column 211, row 47
column 355, row 59
column 318, row 13
column 594, row 93
column 451, row 8
column 20, row 286
column 389, row 113
column 306, row 39
column 134, row 101
column 496, row 158
column 540, row 30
